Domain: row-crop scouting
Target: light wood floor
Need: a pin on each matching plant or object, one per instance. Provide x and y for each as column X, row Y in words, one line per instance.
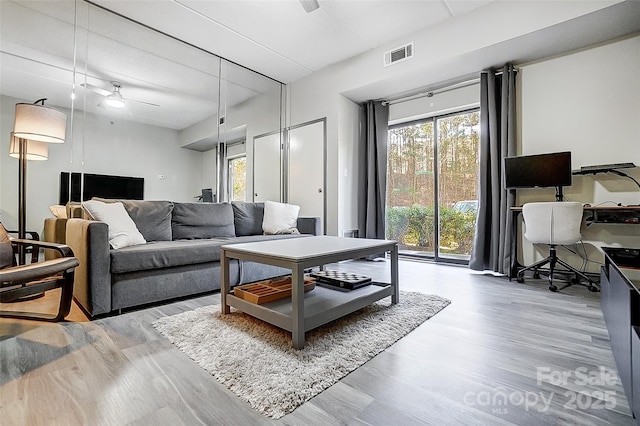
column 489, row 358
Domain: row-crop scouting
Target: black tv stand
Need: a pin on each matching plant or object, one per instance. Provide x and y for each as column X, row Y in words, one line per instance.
column 621, row 311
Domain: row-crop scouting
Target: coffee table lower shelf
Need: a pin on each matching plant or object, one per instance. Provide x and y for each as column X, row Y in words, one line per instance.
column 321, row 305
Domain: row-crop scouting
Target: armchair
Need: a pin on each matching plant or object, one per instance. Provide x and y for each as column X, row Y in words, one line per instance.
column 18, row 281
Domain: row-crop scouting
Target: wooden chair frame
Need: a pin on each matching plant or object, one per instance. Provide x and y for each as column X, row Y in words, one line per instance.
column 36, row 277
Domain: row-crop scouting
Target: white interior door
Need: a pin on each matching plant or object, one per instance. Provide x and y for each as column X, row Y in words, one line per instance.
column 306, row 171
column 267, row 167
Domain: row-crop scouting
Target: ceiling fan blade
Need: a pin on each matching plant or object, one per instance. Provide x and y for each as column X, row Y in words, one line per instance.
column 140, row 102
column 309, row 5
column 96, row 89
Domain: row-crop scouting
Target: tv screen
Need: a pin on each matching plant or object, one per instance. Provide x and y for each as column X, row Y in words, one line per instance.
column 104, row 186
column 543, row 170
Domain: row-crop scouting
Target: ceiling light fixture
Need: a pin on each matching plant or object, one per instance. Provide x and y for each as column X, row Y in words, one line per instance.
column 115, row 100
column 309, row 5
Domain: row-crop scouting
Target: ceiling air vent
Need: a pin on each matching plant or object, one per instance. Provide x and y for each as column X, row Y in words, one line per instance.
column 398, row 55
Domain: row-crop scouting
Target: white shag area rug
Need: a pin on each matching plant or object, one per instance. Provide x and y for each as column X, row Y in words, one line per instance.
column 256, row 362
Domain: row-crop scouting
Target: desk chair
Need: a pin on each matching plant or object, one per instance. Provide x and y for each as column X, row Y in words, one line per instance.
column 554, row 223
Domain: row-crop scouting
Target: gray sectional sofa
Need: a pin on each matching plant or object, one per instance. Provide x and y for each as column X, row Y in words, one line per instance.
column 181, row 256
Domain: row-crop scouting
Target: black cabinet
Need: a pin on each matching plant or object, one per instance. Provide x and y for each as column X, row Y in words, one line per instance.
column 635, row 369
column 620, row 296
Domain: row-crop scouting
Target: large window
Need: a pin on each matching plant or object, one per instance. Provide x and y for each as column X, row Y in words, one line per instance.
column 432, row 185
column 238, row 178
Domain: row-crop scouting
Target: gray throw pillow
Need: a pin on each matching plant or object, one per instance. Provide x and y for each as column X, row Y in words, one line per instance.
column 247, row 218
column 202, row 220
column 6, row 249
column 152, row 218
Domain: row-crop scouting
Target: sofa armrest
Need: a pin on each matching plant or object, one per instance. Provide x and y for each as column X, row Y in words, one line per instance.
column 89, row 241
column 55, row 230
column 310, row 225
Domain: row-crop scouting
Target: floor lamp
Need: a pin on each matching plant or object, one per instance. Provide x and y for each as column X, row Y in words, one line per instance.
column 35, row 125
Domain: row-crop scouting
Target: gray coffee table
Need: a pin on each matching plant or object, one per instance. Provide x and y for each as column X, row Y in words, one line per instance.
column 304, row 312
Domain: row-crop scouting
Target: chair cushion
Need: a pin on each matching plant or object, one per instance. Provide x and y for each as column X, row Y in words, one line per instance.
column 555, row 223
column 247, row 218
column 202, row 220
column 152, row 218
column 6, row 249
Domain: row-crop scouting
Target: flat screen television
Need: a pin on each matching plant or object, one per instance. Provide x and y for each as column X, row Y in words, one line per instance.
column 538, row 171
column 104, row 186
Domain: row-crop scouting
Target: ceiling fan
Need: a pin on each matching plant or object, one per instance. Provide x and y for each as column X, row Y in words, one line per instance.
column 114, row 98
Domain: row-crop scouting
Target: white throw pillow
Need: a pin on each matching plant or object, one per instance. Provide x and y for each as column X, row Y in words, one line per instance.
column 122, row 230
column 280, row 218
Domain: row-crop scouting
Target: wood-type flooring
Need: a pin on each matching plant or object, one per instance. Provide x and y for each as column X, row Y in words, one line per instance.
column 502, row 353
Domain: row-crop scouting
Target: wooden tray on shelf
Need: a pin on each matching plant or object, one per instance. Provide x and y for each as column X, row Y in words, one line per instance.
column 269, row 290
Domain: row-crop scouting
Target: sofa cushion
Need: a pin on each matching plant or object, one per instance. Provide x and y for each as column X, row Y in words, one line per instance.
column 247, row 218
column 202, row 220
column 122, row 230
column 152, row 218
column 165, row 254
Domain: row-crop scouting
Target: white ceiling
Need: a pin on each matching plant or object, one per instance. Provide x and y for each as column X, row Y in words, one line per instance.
column 276, row 38
column 279, row 39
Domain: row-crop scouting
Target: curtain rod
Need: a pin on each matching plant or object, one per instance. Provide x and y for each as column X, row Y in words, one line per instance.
column 442, row 89
column 430, row 93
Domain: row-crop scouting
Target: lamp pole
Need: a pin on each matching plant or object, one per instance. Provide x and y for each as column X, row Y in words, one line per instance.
column 22, row 197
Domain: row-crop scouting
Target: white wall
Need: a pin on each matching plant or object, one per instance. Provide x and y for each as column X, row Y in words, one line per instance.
column 111, row 146
column 587, row 103
column 348, row 137
column 440, row 56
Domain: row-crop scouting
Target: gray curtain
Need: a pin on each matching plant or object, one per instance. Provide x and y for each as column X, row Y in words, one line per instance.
column 492, row 242
column 373, row 171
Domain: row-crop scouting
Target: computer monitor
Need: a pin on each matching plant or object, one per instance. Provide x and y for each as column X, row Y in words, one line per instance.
column 207, row 195
column 538, row 171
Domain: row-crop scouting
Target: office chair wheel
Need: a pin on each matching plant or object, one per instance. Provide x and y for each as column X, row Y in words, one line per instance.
column 553, row 288
column 575, row 280
column 520, row 280
column 536, row 275
column 593, row 288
